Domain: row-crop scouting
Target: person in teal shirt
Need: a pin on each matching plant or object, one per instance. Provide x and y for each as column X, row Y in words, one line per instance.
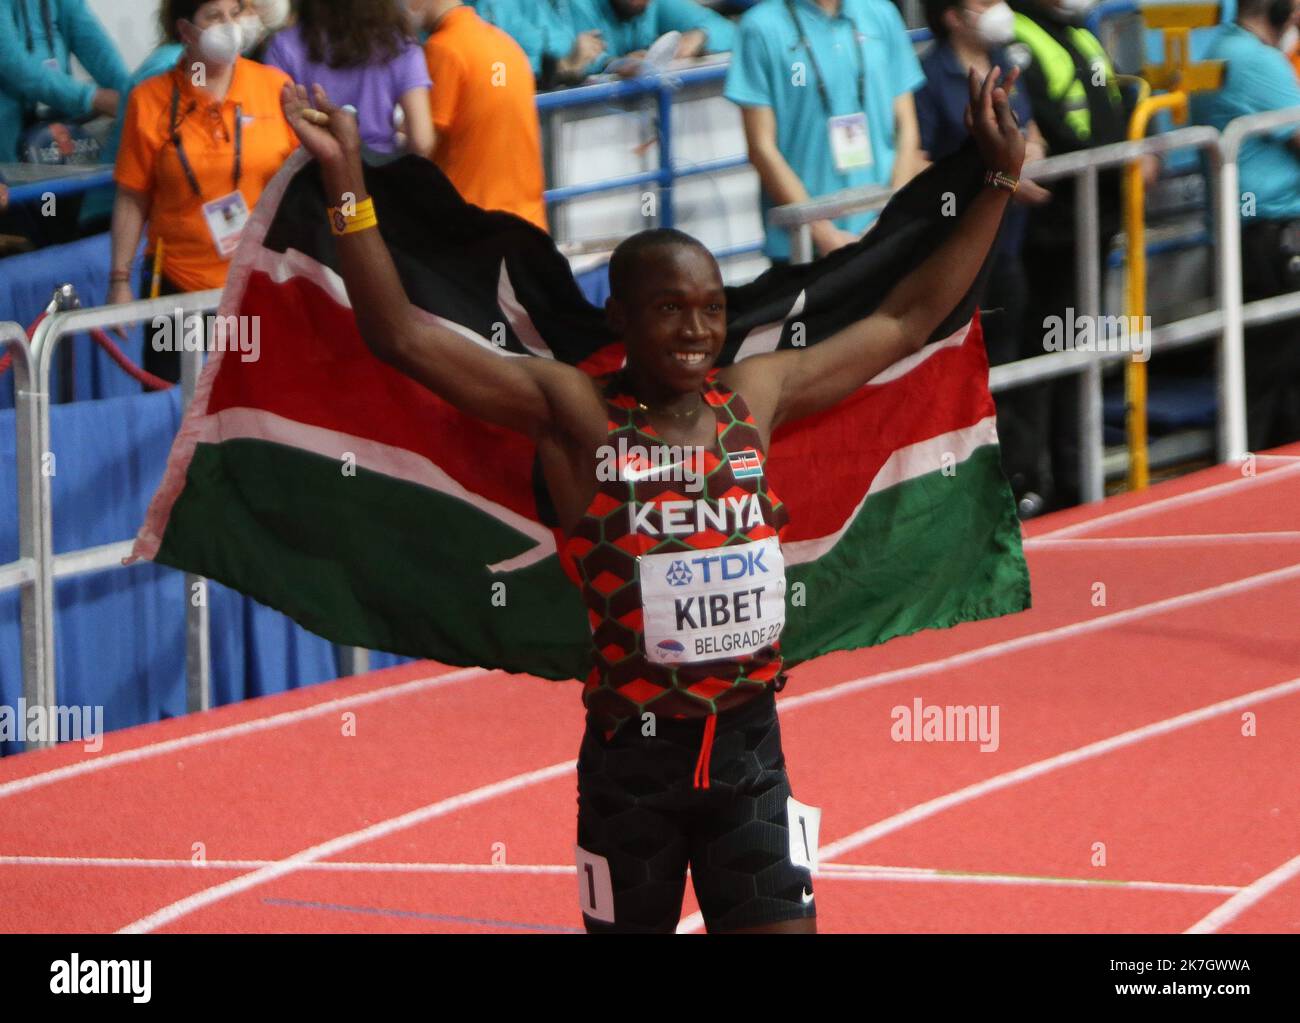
column 544, row 30
column 628, row 27
column 797, row 65
column 1257, row 78
column 38, row 39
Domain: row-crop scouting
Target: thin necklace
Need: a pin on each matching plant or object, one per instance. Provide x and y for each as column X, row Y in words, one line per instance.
column 670, row 414
column 663, row 412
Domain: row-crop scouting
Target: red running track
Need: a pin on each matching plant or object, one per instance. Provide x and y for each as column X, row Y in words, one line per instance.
column 1143, row 781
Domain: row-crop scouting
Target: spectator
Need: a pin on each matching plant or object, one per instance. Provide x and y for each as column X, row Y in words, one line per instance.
column 1258, row 78
column 544, row 30
column 198, row 146
column 38, row 39
column 825, row 89
column 487, row 137
column 973, row 34
column 628, row 27
column 363, row 54
column 1077, row 105
column 260, row 18
column 259, row 23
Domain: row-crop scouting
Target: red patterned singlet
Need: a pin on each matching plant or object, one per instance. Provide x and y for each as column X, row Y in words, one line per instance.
column 678, row 557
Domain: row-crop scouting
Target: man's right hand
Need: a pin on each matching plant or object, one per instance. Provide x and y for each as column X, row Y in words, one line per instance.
column 120, row 292
column 105, row 102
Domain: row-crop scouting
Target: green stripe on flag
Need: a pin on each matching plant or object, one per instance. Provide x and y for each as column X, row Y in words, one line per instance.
column 926, row 553
column 372, row 561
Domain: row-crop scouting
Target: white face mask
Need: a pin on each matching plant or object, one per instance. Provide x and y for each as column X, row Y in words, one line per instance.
column 997, row 25
column 1289, row 39
column 274, row 13
column 221, row 43
column 250, row 29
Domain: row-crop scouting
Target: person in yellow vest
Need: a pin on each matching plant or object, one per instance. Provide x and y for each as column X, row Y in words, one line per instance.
column 1077, row 105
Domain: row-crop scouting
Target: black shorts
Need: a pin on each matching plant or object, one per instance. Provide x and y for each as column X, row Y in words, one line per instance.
column 641, row 821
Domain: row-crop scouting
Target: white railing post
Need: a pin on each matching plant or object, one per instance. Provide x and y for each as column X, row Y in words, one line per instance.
column 1087, row 228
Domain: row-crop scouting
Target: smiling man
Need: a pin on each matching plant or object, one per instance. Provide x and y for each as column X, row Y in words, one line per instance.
column 681, row 763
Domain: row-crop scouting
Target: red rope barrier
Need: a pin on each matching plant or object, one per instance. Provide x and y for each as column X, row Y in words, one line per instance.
column 126, row 365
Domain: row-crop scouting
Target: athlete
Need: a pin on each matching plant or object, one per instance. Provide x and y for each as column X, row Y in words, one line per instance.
column 678, row 557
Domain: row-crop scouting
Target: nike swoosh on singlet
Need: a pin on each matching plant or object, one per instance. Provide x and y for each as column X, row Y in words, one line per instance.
column 633, row 476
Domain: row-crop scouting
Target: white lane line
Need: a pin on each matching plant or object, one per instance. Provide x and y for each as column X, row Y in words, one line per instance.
column 1246, row 898
column 345, row 866
column 1173, row 540
column 962, row 877
column 838, row 871
column 154, row 749
column 1176, row 501
column 183, row 907
column 1094, row 749
column 1276, row 458
column 1034, row 639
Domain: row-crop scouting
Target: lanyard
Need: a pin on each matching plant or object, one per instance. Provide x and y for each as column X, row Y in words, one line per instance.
column 817, row 70
column 49, row 25
column 180, row 146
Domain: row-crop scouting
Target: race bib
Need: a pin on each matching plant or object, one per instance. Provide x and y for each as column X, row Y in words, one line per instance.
column 226, row 218
column 850, row 142
column 713, row 604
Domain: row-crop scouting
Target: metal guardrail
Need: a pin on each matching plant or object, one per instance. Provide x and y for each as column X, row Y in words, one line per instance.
column 25, row 574
column 36, row 513
column 1232, row 372
column 38, row 566
column 35, row 191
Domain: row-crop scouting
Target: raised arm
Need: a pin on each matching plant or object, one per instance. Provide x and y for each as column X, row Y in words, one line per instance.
column 530, row 395
column 791, row 383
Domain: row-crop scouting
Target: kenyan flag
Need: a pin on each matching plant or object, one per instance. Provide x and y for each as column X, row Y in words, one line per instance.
column 322, row 482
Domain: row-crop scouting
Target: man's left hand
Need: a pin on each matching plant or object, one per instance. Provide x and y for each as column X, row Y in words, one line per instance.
column 992, row 124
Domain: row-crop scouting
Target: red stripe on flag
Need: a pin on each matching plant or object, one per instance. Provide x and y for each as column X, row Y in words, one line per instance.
column 314, row 368
column 807, row 465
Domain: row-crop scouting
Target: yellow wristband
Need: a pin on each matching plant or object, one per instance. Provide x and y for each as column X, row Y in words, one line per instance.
column 361, row 219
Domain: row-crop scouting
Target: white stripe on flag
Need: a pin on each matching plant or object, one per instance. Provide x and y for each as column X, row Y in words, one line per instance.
column 399, row 463
column 905, row 464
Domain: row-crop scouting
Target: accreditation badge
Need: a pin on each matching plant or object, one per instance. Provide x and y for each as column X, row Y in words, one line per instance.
column 850, row 142
column 712, row 604
column 226, row 218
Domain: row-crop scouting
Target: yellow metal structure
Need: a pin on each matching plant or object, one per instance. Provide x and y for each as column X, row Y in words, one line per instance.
column 1178, row 77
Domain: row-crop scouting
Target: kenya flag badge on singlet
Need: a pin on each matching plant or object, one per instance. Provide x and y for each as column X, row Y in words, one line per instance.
column 745, row 464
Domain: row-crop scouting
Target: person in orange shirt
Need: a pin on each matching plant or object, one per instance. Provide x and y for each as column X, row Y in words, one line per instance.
column 199, row 143
column 487, row 137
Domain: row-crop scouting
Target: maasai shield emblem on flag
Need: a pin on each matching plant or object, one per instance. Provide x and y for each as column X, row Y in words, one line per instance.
column 320, row 481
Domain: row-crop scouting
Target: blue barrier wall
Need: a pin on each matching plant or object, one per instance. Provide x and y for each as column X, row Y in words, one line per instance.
column 120, row 635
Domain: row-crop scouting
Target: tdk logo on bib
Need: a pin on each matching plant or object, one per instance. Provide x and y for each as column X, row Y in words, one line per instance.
column 679, row 574
column 725, row 567
column 718, row 568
